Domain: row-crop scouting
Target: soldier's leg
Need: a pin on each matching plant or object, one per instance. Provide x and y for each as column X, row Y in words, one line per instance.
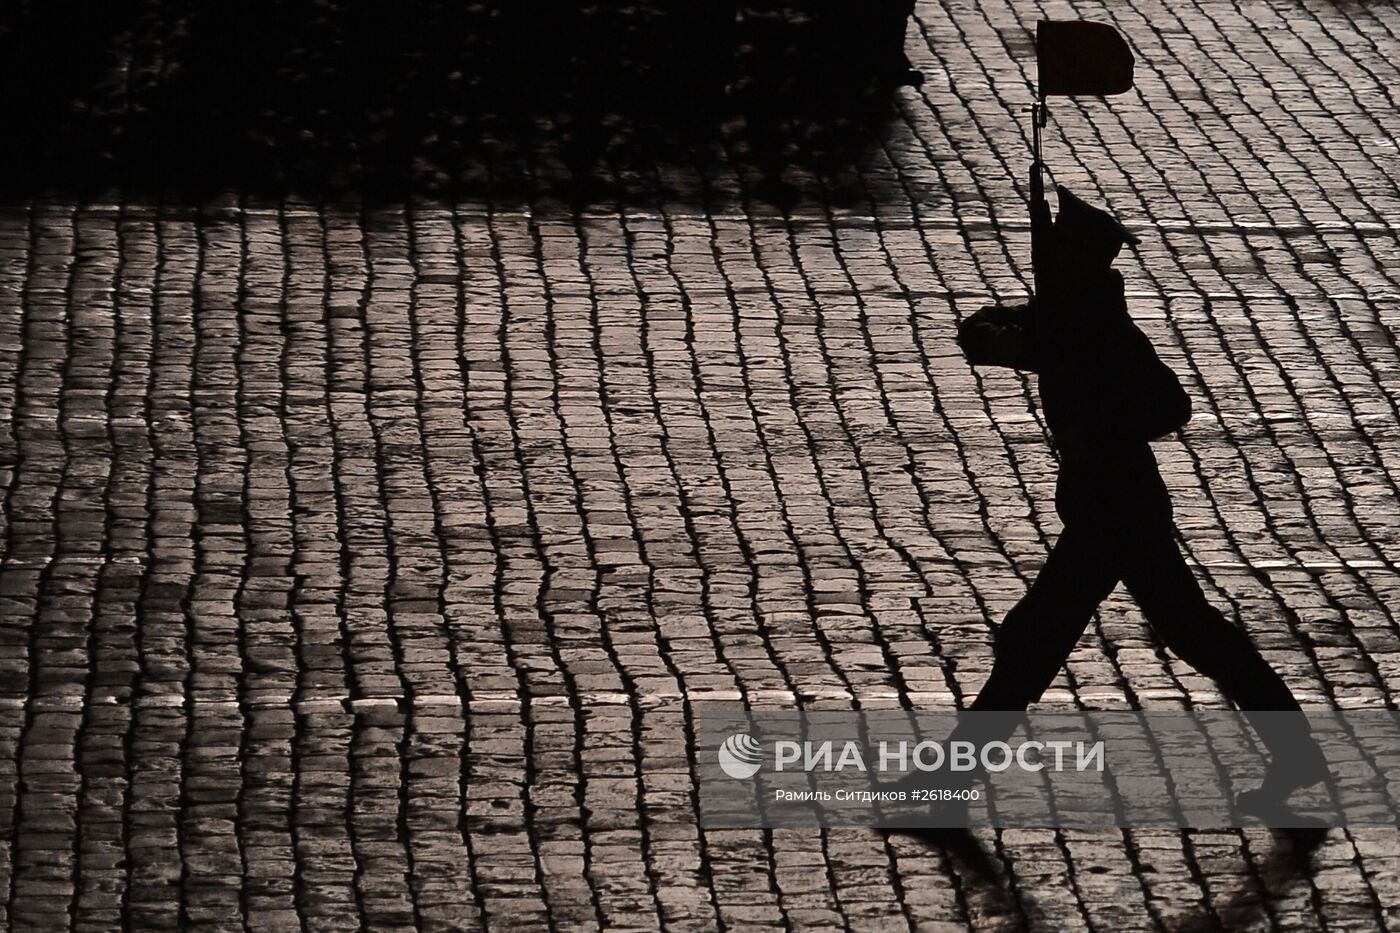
column 1170, row 597
column 1034, row 641
column 1038, row 635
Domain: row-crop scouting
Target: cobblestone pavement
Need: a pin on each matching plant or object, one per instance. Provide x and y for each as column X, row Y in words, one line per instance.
column 364, row 565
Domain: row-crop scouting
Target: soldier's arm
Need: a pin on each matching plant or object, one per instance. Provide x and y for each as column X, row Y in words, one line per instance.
column 1001, row 335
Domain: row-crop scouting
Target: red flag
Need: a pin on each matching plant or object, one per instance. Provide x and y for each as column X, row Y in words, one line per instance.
column 1079, row 57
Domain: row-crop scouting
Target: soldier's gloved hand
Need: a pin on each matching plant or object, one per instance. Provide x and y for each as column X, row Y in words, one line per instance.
column 995, row 336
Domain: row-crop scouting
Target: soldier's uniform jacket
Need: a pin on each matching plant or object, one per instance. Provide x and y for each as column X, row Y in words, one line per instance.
column 1102, row 385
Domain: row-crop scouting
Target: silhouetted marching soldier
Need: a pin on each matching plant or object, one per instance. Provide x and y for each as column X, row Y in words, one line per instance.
column 1106, row 396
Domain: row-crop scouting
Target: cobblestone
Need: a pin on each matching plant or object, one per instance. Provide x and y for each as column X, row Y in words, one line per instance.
column 365, row 564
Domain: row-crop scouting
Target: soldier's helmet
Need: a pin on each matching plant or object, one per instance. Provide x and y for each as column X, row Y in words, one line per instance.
column 1085, row 233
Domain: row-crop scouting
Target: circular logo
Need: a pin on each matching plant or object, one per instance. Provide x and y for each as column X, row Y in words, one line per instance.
column 740, row 756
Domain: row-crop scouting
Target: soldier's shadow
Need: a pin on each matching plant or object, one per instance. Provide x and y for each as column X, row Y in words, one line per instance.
column 1287, row 863
column 986, row 886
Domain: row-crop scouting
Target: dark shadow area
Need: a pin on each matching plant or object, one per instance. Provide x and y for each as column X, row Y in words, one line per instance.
column 1287, row 862
column 985, row 885
column 385, row 98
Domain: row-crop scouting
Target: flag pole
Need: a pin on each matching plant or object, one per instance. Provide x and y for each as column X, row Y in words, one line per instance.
column 1073, row 57
column 1039, row 209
